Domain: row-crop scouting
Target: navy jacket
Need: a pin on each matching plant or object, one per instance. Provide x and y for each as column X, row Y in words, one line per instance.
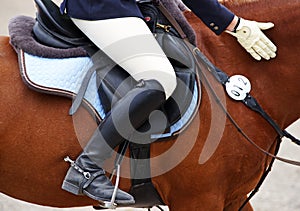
column 211, row 12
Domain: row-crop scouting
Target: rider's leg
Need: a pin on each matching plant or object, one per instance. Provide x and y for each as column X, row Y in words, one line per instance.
column 117, row 126
column 157, row 82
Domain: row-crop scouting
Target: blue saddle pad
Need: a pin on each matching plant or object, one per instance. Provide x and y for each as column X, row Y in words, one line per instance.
column 63, row 76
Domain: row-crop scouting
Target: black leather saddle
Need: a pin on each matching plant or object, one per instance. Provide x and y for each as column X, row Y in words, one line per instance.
column 57, row 30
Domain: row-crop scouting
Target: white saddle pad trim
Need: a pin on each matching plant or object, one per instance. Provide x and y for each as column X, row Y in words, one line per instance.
column 68, row 73
column 65, row 74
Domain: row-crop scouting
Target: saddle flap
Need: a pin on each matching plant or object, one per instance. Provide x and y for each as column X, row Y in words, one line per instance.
column 176, row 51
column 180, row 100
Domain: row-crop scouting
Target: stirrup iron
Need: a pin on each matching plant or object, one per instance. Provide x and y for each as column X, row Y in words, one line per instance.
column 118, row 161
column 111, row 204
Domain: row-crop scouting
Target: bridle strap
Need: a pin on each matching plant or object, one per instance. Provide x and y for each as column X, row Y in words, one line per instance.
column 203, row 61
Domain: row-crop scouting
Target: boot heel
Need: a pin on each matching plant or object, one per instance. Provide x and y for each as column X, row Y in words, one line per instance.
column 71, row 188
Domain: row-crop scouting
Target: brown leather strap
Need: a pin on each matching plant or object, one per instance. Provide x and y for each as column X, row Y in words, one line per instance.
column 172, row 20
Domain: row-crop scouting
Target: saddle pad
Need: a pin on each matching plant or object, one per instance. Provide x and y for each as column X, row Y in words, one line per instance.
column 63, row 76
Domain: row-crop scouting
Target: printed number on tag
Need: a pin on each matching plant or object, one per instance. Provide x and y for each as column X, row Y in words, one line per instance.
column 237, row 87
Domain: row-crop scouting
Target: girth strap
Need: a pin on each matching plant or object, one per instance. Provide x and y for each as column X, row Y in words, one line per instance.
column 142, row 187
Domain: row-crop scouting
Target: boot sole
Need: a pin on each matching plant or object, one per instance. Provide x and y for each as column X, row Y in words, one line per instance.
column 75, row 190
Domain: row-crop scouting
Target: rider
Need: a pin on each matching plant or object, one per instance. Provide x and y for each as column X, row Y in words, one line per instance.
column 111, row 23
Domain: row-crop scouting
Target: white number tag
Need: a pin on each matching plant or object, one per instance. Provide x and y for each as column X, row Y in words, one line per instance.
column 237, row 87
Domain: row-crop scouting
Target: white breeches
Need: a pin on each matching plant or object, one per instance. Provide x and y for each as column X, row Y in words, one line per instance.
column 129, row 42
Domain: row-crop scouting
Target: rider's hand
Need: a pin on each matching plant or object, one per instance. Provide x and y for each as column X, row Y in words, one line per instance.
column 250, row 36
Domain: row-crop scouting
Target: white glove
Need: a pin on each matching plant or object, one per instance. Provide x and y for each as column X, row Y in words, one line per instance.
column 250, row 36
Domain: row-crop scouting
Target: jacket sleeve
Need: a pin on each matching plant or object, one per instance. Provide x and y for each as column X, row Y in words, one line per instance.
column 214, row 15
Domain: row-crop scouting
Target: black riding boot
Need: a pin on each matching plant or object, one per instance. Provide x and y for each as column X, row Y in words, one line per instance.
column 86, row 176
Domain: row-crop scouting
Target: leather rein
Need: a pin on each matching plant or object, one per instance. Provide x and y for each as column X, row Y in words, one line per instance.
column 222, row 77
column 250, row 102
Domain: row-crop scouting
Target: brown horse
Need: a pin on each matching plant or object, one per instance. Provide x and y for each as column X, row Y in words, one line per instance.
column 37, row 133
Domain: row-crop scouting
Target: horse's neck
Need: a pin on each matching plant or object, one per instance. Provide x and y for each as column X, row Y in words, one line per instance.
column 275, row 83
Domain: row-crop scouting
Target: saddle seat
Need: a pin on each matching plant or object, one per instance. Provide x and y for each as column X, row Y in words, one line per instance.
column 55, row 29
